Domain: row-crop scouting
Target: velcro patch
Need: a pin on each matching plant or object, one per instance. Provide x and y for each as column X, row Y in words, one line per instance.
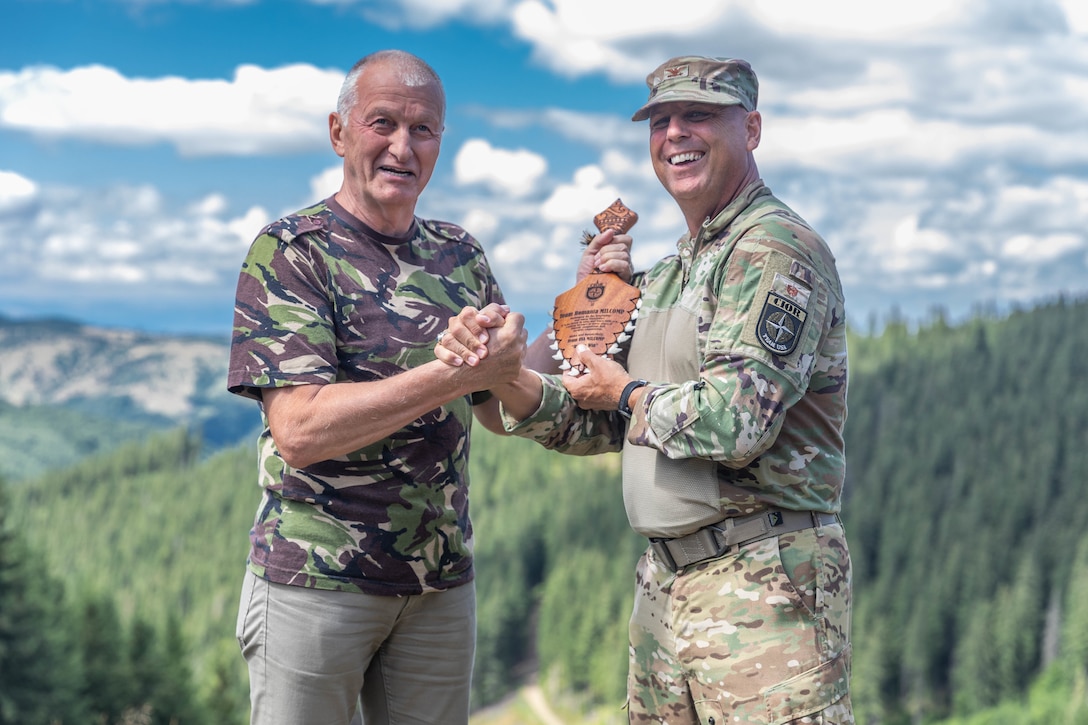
column 780, row 324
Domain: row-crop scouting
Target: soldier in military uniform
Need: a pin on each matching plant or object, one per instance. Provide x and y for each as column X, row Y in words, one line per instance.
column 360, row 579
column 730, row 415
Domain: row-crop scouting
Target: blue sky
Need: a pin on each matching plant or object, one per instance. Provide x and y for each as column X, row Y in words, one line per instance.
column 939, row 147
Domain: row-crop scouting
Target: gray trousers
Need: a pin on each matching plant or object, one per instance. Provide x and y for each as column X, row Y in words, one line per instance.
column 313, row 655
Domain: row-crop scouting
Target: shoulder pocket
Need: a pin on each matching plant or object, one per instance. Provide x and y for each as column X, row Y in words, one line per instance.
column 787, row 315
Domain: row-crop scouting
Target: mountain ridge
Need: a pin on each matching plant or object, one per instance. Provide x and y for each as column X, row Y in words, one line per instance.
column 122, row 383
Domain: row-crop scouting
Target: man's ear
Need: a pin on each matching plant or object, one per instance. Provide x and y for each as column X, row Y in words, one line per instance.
column 336, row 133
column 754, row 125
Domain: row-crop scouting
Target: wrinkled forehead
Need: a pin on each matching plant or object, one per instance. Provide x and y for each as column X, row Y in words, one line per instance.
column 391, row 83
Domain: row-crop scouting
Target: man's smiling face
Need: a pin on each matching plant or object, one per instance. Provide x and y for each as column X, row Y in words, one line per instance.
column 702, row 153
column 390, row 143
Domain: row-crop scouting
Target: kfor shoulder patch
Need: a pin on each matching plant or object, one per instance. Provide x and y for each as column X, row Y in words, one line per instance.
column 779, row 324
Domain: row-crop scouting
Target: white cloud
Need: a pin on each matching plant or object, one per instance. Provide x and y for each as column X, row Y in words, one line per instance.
column 16, row 191
column 244, row 228
column 574, row 37
column 211, row 204
column 845, row 19
column 517, row 249
column 428, row 13
column 1059, row 203
column 1076, row 15
column 509, row 172
column 879, row 83
column 324, row 185
column 123, row 237
column 1041, row 249
column 893, row 140
column 579, row 201
column 480, row 223
column 258, row 111
column 596, row 130
column 911, row 248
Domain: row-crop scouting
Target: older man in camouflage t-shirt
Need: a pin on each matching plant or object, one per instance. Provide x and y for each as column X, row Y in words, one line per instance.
column 360, row 578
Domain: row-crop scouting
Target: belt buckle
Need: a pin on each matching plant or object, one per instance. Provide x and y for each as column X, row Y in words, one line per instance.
column 661, row 551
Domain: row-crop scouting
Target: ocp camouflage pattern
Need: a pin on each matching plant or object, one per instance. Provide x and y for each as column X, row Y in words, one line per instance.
column 727, row 427
column 322, row 299
column 759, row 636
column 742, row 337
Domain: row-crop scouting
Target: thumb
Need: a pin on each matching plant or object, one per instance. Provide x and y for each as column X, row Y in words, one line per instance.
column 589, row 359
column 600, row 240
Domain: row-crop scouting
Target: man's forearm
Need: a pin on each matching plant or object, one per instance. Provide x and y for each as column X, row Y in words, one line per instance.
column 312, row 423
column 521, row 398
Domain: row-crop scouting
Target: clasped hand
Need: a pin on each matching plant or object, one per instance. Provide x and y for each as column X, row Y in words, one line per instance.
column 492, row 339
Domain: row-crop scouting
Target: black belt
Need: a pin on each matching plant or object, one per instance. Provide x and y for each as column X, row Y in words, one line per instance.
column 714, row 540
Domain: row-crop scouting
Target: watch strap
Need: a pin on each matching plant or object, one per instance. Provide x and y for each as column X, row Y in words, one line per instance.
column 623, row 407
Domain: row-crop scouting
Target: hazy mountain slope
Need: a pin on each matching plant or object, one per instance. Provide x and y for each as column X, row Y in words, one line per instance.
column 68, row 390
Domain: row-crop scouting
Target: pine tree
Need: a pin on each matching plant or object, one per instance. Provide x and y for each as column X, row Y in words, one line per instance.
column 227, row 697
column 1018, row 628
column 145, row 662
column 175, row 700
column 1074, row 641
column 107, row 678
column 38, row 683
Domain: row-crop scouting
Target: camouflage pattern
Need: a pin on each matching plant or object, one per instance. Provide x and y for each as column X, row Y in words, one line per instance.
column 727, row 427
column 324, row 299
column 758, row 636
column 742, row 335
column 694, row 79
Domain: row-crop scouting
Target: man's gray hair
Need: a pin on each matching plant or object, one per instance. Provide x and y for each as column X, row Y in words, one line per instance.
column 414, row 71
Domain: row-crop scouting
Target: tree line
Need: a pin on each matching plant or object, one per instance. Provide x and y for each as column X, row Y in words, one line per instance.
column 966, row 454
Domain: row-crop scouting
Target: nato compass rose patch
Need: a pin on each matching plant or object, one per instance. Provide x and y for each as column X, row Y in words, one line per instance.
column 783, row 316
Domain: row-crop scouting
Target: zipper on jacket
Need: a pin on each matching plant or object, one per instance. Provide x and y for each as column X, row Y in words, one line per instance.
column 690, row 252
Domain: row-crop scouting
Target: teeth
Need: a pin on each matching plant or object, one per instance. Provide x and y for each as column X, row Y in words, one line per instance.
column 681, row 158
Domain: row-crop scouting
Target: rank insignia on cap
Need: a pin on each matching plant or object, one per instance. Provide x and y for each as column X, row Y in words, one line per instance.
column 780, row 324
column 676, row 71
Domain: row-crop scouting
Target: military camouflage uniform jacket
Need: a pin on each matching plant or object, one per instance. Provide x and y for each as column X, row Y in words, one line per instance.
column 324, row 299
column 742, row 337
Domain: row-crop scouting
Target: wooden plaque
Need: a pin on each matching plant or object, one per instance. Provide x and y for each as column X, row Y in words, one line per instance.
column 600, row 311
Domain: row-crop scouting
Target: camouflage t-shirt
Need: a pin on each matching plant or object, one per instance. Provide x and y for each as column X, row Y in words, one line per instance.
column 742, row 337
column 323, row 299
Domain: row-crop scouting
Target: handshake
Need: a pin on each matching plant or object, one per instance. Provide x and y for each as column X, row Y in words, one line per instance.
column 493, row 339
column 490, row 345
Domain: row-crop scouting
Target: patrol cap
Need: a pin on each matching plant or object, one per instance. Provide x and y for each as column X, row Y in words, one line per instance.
column 721, row 81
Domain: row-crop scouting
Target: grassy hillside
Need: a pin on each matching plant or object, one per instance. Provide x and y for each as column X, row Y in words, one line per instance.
column 36, row 439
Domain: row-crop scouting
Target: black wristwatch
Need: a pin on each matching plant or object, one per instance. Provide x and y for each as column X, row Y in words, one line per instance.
column 624, row 408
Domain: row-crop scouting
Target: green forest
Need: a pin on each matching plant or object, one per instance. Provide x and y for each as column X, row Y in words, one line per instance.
column 967, row 453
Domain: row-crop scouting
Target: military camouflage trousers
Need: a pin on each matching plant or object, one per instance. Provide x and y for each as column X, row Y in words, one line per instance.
column 760, row 635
